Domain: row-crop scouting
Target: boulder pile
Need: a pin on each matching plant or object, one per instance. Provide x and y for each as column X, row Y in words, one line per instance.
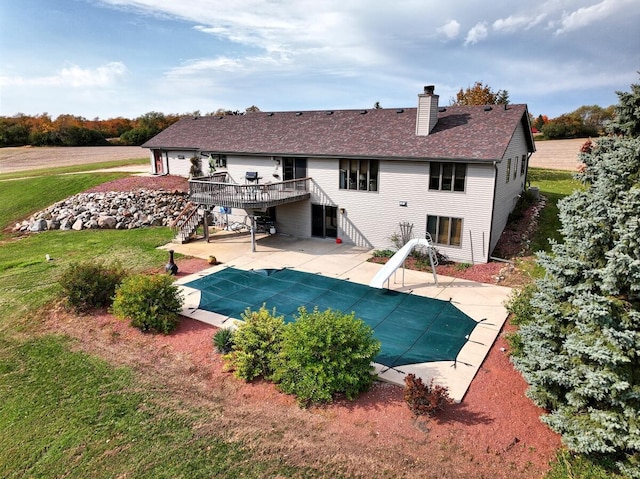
column 110, row 210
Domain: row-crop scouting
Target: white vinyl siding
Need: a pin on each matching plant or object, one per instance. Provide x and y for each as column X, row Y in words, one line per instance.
column 506, row 195
column 371, row 218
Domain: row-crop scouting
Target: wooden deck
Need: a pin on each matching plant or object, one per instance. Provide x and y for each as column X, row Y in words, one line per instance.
column 211, row 191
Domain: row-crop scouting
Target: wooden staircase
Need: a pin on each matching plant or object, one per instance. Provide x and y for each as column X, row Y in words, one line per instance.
column 187, row 222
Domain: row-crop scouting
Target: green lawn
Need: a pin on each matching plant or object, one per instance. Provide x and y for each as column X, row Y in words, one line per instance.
column 554, row 185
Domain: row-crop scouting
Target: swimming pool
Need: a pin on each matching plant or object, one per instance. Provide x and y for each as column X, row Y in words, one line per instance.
column 412, row 329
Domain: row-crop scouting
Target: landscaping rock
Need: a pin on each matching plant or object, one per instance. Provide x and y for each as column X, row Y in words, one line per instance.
column 109, row 210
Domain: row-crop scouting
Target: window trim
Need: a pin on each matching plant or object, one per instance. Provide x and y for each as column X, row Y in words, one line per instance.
column 523, row 165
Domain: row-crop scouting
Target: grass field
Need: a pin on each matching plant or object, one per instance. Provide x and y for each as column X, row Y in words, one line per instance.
column 68, row 414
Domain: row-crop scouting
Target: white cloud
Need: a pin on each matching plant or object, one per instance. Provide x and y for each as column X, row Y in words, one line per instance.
column 477, row 33
column 585, row 16
column 514, row 23
column 450, row 29
column 74, row 76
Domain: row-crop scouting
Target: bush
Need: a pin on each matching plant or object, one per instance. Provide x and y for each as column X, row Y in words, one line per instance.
column 256, row 344
column 526, row 200
column 223, row 340
column 325, row 353
column 151, row 303
column 519, row 304
column 422, row 399
column 90, row 284
column 383, row 253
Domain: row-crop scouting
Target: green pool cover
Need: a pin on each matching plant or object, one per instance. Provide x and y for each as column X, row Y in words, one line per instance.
column 412, row 329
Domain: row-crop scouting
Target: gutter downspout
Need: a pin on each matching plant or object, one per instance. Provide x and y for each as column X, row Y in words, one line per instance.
column 493, row 207
column 526, row 173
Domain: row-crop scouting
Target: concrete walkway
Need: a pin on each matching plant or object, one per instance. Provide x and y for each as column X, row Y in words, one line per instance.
column 482, row 302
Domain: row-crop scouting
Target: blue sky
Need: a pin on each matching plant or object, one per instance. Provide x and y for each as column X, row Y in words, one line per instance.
column 110, row 58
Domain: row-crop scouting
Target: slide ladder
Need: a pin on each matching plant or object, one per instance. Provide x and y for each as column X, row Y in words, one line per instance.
column 397, row 260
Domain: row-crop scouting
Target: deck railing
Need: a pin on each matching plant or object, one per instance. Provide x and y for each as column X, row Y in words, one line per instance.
column 205, row 190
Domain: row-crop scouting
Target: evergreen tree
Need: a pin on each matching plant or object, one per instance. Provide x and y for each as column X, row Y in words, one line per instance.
column 581, row 347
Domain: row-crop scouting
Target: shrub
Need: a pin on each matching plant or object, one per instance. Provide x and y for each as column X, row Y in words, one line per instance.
column 422, row 399
column 256, row 344
column 383, row 253
column 325, row 353
column 519, row 304
column 90, row 284
column 151, row 303
column 223, row 340
column 526, row 200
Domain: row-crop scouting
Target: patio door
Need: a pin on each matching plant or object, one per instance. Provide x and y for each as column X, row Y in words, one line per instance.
column 294, row 168
column 324, row 221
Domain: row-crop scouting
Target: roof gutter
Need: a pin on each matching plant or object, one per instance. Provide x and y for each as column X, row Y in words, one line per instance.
column 479, row 161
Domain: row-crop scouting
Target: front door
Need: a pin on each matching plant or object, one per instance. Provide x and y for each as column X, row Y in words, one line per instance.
column 157, row 156
column 324, row 221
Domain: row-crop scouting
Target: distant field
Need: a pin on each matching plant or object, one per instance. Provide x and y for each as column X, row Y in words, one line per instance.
column 33, row 158
column 557, row 154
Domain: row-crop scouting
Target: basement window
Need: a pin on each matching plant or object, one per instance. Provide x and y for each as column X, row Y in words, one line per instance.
column 445, row 230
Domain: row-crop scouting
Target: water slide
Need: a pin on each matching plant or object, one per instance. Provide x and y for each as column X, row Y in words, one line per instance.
column 397, row 260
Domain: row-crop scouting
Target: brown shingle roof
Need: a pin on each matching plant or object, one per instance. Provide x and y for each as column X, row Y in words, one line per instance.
column 462, row 132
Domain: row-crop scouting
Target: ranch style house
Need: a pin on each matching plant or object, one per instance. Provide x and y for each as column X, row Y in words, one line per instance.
column 453, row 172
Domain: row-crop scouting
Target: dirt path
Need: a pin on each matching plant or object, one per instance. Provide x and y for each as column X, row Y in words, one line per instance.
column 32, row 158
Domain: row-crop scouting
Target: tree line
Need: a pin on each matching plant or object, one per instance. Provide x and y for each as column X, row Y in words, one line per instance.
column 71, row 130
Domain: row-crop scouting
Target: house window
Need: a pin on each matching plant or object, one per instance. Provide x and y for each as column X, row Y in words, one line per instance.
column 515, row 169
column 508, row 169
column 523, row 165
column 447, row 176
column 359, row 175
column 445, row 230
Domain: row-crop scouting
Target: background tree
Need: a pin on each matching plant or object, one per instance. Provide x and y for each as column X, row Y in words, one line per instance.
column 539, row 122
column 147, row 126
column 480, row 94
column 580, row 336
column 569, row 125
column 595, row 117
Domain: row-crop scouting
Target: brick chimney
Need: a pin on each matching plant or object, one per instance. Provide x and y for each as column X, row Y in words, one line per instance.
column 427, row 116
